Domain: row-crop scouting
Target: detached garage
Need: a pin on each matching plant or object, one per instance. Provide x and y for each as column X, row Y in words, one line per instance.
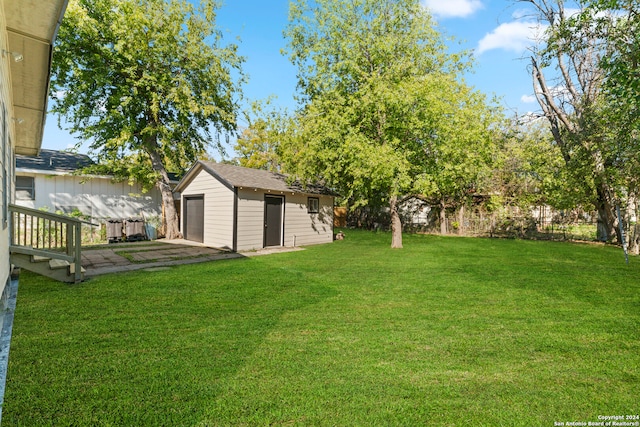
column 238, row 208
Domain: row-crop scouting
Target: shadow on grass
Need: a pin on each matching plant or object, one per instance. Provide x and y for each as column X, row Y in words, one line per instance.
column 142, row 348
column 492, row 332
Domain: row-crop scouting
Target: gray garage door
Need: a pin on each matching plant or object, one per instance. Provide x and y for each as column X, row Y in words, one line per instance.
column 194, row 218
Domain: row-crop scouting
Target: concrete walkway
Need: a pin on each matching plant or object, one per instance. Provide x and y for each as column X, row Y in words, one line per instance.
column 119, row 257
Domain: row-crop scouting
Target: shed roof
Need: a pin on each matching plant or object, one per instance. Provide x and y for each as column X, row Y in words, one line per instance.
column 240, row 177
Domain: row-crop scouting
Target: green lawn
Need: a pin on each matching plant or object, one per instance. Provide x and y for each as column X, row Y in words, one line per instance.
column 445, row 332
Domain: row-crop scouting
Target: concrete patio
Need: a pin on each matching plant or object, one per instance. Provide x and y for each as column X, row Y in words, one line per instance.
column 119, row 257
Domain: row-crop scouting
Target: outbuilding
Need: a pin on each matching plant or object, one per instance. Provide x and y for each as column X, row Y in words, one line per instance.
column 239, row 208
column 52, row 180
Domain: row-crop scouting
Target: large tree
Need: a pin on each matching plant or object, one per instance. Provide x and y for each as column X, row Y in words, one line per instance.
column 383, row 109
column 618, row 23
column 148, row 83
column 569, row 81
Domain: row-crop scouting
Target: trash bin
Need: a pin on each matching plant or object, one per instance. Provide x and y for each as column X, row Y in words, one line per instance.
column 114, row 230
column 134, row 229
column 151, row 232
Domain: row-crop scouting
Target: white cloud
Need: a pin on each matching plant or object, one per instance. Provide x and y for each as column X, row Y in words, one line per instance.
column 453, row 8
column 512, row 36
column 528, row 99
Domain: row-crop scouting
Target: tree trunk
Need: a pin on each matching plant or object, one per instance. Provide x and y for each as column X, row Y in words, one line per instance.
column 171, row 228
column 607, row 216
column 396, row 224
column 461, row 220
column 634, row 242
column 634, row 229
column 443, row 217
column 170, row 219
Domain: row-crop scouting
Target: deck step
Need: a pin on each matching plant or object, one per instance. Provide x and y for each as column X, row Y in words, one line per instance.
column 64, row 273
column 56, row 264
column 72, row 269
column 38, row 258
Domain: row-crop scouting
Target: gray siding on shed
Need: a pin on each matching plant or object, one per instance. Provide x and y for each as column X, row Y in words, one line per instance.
column 234, row 214
column 302, row 228
column 218, row 209
column 250, row 220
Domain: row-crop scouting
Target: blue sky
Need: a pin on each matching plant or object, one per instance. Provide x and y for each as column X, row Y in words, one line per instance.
column 498, row 31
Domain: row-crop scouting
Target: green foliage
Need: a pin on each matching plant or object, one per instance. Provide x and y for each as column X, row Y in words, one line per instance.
column 384, row 111
column 145, row 82
column 619, row 24
column 529, row 169
column 593, row 135
column 621, row 29
column 75, row 213
column 258, row 145
column 450, row 331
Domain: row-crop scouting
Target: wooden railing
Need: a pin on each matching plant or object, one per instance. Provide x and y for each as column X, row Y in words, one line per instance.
column 39, row 233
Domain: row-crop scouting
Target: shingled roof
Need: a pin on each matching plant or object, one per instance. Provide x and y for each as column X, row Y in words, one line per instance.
column 53, row 161
column 56, row 162
column 241, row 177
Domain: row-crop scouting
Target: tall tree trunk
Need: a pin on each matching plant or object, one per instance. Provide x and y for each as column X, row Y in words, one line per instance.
column 461, row 220
column 443, row 217
column 607, row 215
column 170, row 220
column 396, row 224
column 171, row 227
column 634, row 230
column 634, row 241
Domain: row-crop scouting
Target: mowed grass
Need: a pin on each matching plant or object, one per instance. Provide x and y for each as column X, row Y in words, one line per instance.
column 445, row 332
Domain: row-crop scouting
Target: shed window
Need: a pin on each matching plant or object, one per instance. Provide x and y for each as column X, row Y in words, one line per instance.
column 313, row 205
column 25, row 189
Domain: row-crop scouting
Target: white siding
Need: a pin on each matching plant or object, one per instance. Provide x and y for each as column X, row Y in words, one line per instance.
column 250, row 220
column 302, row 228
column 100, row 198
column 218, row 209
column 6, row 159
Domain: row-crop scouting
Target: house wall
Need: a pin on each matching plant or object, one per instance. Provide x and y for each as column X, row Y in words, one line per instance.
column 6, row 162
column 218, row 209
column 99, row 198
column 414, row 212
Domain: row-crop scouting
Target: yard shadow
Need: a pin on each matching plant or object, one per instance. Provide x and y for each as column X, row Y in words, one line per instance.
column 146, row 348
column 322, row 221
column 237, row 324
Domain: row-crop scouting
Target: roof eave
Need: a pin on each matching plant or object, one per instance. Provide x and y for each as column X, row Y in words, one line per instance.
column 193, row 171
column 32, row 26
